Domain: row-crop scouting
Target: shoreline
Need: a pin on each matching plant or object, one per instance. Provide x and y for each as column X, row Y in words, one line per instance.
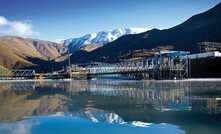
column 67, row 80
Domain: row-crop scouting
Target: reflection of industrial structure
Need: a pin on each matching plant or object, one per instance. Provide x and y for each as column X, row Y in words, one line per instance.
column 20, row 86
column 162, row 96
column 211, row 106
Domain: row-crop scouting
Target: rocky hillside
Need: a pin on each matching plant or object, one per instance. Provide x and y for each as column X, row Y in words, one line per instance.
column 17, row 52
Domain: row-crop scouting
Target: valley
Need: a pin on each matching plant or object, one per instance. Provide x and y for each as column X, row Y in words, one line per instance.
column 111, row 46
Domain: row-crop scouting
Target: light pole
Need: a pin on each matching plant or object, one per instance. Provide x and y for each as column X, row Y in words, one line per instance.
column 69, row 62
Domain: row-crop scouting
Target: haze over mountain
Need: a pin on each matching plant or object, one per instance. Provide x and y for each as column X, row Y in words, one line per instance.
column 186, row 36
column 92, row 41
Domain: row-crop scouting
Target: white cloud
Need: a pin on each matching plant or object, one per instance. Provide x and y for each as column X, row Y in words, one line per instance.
column 15, row 28
column 3, row 20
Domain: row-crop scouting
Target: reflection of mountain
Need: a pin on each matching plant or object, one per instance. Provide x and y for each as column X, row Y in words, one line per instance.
column 69, row 125
column 103, row 117
column 113, row 101
column 16, row 104
column 99, row 116
column 50, row 97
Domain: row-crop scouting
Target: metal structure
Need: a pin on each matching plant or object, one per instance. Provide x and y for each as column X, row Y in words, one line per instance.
column 209, row 46
column 164, row 65
column 16, row 73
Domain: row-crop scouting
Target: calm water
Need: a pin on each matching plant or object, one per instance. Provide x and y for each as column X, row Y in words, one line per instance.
column 110, row 107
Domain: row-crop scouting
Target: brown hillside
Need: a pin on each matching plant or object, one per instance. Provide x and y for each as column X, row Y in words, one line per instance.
column 1, row 67
column 10, row 59
column 17, row 52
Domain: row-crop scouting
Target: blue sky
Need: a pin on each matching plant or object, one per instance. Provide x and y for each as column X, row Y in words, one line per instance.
column 62, row 19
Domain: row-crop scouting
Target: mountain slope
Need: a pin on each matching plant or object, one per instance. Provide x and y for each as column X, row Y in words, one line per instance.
column 17, row 52
column 11, row 59
column 199, row 28
column 2, row 67
column 100, row 38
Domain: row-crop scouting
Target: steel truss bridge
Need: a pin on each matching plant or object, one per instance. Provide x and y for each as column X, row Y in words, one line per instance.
column 164, row 65
column 10, row 73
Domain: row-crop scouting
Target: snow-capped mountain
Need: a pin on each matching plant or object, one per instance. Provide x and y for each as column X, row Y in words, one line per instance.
column 101, row 38
column 59, row 41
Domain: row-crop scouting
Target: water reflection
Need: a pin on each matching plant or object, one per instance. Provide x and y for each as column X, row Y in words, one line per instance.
column 191, row 107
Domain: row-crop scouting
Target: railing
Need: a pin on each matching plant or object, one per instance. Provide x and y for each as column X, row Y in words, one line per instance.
column 133, row 67
column 16, row 73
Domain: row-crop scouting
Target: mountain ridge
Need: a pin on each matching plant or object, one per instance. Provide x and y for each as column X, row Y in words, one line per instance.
column 185, row 36
column 18, row 52
column 101, row 38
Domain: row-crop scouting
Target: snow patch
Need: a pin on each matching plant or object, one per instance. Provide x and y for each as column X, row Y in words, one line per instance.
column 103, row 37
